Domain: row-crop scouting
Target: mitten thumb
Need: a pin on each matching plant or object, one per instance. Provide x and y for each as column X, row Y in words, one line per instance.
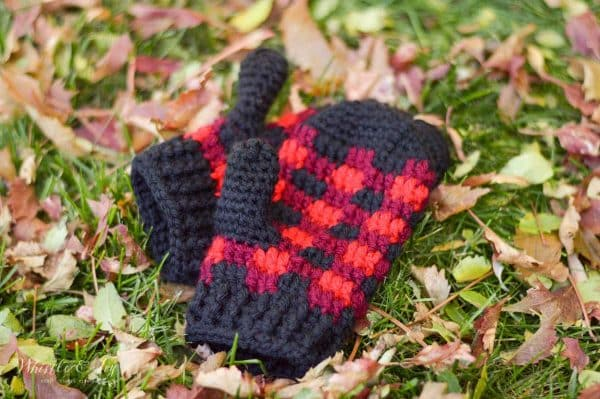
column 262, row 75
column 243, row 208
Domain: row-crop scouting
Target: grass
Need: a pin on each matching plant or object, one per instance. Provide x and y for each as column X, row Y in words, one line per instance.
column 474, row 114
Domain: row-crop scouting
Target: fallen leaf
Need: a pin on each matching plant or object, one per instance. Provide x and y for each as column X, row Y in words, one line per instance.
column 467, row 166
column 530, row 165
column 180, row 293
column 471, row 268
column 8, row 349
column 412, row 81
column 7, row 168
column 525, row 264
column 560, row 306
column 474, row 46
column 114, row 59
column 437, row 390
column 367, row 20
column 60, row 270
column 108, row 308
column 439, row 357
column 100, row 209
column 298, row 29
column 581, row 139
column 584, row 33
column 435, row 282
column 40, row 380
column 177, row 391
column 485, row 331
column 162, row 66
column 68, row 327
column 404, row 56
column 577, row 359
column 502, row 57
column 539, row 223
column 52, row 206
column 149, row 19
column 229, row 380
column 138, row 360
column 538, row 346
column 590, row 69
column 250, row 18
column 546, row 248
column 495, row 178
column 590, row 218
column 592, row 392
column 509, row 102
column 448, row 200
column 569, row 227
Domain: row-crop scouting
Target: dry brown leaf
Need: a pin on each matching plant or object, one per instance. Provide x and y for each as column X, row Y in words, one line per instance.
column 509, row 102
column 412, row 81
column 525, row 264
column 494, row 178
column 560, row 306
column 437, row 390
column 502, row 57
column 584, row 33
column 60, row 271
column 150, row 19
column 474, row 46
column 448, row 200
column 229, row 380
column 577, row 358
column 440, row 357
column 538, row 346
column 435, row 282
column 588, row 245
column 138, row 359
column 162, row 66
column 569, row 227
column 114, row 59
column 100, row 209
column 590, row 218
column 592, row 392
column 7, row 168
column 319, row 58
column 177, row 391
column 181, row 293
column 52, row 206
column 485, row 331
column 40, row 380
column 580, row 139
column 404, row 56
column 546, row 248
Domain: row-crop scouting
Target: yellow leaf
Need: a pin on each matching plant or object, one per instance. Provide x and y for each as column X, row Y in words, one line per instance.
column 251, row 18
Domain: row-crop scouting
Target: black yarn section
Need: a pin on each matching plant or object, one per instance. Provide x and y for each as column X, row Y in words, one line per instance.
column 317, row 257
column 243, row 212
column 278, row 328
column 284, row 214
column 308, row 183
column 175, row 197
column 262, row 74
column 345, row 231
column 368, row 199
column 394, row 135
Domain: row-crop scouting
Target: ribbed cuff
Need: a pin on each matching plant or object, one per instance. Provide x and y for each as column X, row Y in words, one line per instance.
column 278, row 328
column 176, row 201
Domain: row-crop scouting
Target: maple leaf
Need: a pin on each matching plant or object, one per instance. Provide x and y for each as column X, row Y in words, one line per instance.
column 435, row 282
column 320, row 59
column 561, row 305
column 114, row 59
column 525, row 264
column 538, row 346
column 485, row 330
column 440, row 357
column 577, row 359
column 40, row 380
column 584, row 33
column 448, row 200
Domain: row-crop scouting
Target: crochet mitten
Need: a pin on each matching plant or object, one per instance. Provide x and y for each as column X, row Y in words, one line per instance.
column 176, row 182
column 304, row 234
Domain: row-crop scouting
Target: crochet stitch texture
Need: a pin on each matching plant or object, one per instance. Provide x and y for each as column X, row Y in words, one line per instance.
column 175, row 182
column 287, row 237
column 304, row 234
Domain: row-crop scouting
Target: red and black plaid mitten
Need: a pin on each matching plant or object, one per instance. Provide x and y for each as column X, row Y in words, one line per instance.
column 176, row 183
column 304, row 233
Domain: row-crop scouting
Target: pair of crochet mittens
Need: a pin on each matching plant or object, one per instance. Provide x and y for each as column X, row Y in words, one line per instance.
column 286, row 228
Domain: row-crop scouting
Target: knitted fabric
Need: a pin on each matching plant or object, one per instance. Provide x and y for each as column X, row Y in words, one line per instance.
column 175, row 182
column 304, row 233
